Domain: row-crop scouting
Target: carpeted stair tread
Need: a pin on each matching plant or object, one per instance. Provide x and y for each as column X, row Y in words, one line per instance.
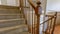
column 12, row 28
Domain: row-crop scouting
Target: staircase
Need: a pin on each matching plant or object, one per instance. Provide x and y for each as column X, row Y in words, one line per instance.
column 12, row 21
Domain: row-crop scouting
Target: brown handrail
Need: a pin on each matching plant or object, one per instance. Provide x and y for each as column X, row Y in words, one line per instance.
column 49, row 15
column 48, row 20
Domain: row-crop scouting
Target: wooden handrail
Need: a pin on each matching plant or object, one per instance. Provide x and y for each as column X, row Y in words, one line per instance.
column 47, row 20
column 49, row 15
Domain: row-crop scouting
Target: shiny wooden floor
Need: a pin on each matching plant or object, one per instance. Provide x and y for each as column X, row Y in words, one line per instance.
column 57, row 30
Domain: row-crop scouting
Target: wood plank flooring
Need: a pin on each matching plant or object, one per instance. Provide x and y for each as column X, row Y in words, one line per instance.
column 57, row 30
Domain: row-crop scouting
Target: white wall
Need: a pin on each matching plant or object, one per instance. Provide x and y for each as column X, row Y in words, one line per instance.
column 0, row 1
column 3, row 2
column 53, row 5
column 10, row 2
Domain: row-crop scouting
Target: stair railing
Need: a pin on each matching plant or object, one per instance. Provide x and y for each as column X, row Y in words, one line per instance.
column 32, row 19
column 50, row 23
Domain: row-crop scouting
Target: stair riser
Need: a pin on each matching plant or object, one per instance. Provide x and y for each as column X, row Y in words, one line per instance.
column 9, row 12
column 15, row 31
column 11, row 23
column 10, row 16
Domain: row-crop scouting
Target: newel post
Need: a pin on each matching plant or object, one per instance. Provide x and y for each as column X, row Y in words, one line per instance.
column 39, row 12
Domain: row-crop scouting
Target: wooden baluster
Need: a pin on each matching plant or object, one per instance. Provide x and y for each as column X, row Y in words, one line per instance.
column 29, row 28
column 52, row 32
column 43, row 28
column 50, row 26
column 25, row 3
column 32, row 24
column 47, row 24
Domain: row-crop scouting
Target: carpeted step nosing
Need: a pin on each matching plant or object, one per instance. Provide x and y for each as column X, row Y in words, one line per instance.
column 12, row 28
column 11, row 14
column 19, row 33
column 11, row 20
